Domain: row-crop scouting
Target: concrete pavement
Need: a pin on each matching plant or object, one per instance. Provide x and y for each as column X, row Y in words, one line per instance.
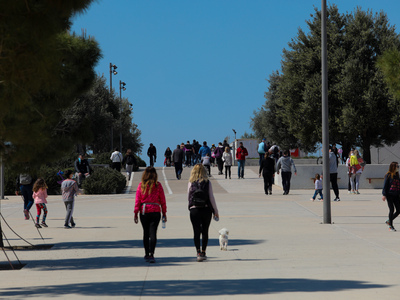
column 278, row 248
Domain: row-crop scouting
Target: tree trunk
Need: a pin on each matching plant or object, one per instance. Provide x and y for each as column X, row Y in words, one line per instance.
column 367, row 152
column 346, row 147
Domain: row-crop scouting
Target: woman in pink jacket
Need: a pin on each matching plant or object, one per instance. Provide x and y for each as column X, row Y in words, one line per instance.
column 40, row 197
column 150, row 203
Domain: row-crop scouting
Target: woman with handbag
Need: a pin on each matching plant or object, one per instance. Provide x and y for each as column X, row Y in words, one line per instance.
column 150, row 202
column 201, row 204
column 391, row 193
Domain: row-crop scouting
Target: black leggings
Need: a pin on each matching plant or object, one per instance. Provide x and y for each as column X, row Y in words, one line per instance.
column 150, row 223
column 268, row 183
column 335, row 187
column 393, row 202
column 201, row 219
column 227, row 171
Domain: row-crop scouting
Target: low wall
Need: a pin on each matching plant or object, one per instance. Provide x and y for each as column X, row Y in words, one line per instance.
column 371, row 178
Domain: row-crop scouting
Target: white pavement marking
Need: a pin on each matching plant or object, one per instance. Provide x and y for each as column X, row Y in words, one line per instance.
column 128, row 188
column 166, row 182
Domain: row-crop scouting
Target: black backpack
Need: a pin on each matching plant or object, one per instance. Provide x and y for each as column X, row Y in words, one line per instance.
column 200, row 196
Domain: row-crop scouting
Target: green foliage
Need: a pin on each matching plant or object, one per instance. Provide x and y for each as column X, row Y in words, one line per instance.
column 389, row 64
column 360, row 109
column 104, row 181
column 102, row 158
column 247, row 135
column 140, row 162
column 43, row 69
column 97, row 113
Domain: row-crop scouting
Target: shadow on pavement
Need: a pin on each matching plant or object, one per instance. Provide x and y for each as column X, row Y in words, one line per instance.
column 191, row 287
column 161, row 243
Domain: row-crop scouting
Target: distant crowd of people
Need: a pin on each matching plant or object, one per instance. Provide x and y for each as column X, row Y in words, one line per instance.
column 191, row 154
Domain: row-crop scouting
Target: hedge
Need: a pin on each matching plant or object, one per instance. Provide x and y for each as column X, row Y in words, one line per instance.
column 104, row 181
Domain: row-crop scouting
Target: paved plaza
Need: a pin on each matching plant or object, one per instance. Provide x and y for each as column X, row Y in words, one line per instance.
column 278, row 248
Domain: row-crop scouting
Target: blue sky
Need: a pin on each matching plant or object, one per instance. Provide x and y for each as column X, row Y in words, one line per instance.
column 198, row 69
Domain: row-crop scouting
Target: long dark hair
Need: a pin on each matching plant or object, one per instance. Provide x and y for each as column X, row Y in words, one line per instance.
column 393, row 169
column 149, row 180
column 39, row 184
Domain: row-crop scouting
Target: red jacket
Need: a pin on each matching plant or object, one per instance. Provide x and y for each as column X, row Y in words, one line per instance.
column 241, row 153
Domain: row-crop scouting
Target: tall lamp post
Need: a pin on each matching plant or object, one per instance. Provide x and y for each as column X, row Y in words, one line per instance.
column 325, row 123
column 234, row 147
column 121, row 88
column 112, row 72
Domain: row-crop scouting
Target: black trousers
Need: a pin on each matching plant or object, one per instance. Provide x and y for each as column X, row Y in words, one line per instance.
column 220, row 164
column 286, row 176
column 228, row 171
column 188, row 158
column 267, row 183
column 150, row 223
column 201, row 219
column 152, row 160
column 116, row 166
column 393, row 202
column 178, row 168
column 335, row 188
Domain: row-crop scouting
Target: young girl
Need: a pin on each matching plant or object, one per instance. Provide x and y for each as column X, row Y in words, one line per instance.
column 318, row 188
column 150, row 202
column 40, row 195
column 69, row 189
column 227, row 159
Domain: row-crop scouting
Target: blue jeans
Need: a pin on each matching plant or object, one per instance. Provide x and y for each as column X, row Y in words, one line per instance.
column 196, row 159
column 27, row 193
column 319, row 191
column 241, row 164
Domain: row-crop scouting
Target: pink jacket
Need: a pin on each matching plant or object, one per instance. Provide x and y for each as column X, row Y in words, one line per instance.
column 157, row 196
column 40, row 196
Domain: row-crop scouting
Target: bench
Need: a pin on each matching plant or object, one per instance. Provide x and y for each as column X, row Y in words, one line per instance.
column 373, row 178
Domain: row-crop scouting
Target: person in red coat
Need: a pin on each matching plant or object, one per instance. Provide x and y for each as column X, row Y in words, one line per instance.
column 241, row 154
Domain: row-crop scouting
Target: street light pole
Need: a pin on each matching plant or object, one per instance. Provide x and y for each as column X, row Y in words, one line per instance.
column 121, row 87
column 112, row 71
column 325, row 119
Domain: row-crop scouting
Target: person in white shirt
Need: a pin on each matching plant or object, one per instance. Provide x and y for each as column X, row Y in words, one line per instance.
column 116, row 158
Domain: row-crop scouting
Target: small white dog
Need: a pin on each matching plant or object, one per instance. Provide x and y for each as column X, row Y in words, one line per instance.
column 223, row 239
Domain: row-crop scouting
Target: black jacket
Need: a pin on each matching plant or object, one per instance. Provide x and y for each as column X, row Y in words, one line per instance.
column 267, row 166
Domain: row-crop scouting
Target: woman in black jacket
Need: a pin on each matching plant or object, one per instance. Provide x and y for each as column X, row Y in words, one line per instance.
column 391, row 193
column 267, row 167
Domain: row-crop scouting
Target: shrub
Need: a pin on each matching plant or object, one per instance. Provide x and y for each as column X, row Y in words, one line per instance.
column 102, row 158
column 140, row 162
column 49, row 174
column 104, row 181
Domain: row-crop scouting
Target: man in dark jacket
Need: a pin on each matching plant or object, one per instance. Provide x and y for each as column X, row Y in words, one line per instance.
column 152, row 153
column 177, row 158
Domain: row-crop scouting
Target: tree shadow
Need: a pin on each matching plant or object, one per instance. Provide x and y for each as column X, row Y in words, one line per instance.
column 256, row 286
